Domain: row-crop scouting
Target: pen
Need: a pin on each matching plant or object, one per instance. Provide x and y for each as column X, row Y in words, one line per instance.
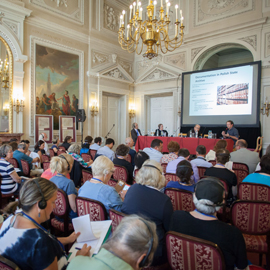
column 77, row 248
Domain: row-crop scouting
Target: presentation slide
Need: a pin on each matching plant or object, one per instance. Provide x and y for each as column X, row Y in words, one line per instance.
column 221, row 92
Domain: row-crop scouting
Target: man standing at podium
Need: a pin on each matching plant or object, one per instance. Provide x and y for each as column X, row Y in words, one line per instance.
column 135, row 132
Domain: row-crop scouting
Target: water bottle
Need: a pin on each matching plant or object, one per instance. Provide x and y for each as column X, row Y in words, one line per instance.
column 148, row 132
column 210, row 134
column 190, row 133
column 196, row 134
column 168, row 132
column 143, row 132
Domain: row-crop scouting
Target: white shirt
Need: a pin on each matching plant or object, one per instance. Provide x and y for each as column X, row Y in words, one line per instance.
column 153, row 153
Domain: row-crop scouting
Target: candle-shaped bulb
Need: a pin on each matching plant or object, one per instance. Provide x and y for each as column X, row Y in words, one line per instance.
column 139, row 4
column 155, row 5
column 176, row 7
column 161, row 3
column 168, row 8
column 141, row 9
column 130, row 12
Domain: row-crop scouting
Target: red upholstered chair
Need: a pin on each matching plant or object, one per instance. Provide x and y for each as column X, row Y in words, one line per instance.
column 93, row 153
column 112, row 183
column 62, row 148
column 238, row 165
column 25, row 167
column 241, row 175
column 86, row 157
column 46, row 165
column 120, row 173
column 128, row 158
column 116, row 217
column 45, row 158
column 135, row 172
column 201, row 171
column 86, row 175
column 61, row 210
column 95, row 209
column 191, row 253
column 6, row 264
column 14, row 162
column 164, row 166
column 60, row 152
column 213, row 162
column 252, row 218
column 253, row 192
column 51, row 153
column 181, row 199
column 171, row 177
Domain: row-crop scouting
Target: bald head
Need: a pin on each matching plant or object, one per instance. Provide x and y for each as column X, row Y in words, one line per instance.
column 241, row 144
column 129, row 142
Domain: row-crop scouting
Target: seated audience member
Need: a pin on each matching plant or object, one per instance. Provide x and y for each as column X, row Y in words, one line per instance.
column 55, row 147
column 173, row 148
column 96, row 144
column 10, row 180
column 13, row 140
column 14, row 146
column 44, row 251
column 184, row 171
column 86, row 146
column 139, row 159
column 262, row 176
column 145, row 199
column 48, row 174
column 43, row 137
column 200, row 160
column 267, row 152
column 243, row 155
column 107, row 149
column 27, row 151
column 211, row 155
column 220, row 171
column 19, row 155
column 74, row 151
column 130, row 143
column 183, row 154
column 97, row 188
column 203, row 223
column 62, row 165
column 155, row 151
column 120, row 159
column 39, row 149
column 67, row 142
column 126, row 249
column 160, row 131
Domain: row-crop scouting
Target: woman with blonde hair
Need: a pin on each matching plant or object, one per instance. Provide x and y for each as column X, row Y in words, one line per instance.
column 97, row 189
column 62, row 164
column 24, row 241
column 145, row 199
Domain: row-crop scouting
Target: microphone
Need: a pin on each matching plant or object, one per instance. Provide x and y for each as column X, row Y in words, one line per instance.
column 203, row 132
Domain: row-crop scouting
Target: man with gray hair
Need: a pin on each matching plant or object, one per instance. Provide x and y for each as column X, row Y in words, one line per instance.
column 132, row 246
column 203, row 223
column 135, row 132
column 129, row 142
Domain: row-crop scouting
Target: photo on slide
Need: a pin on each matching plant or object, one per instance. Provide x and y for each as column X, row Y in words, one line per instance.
column 233, row 94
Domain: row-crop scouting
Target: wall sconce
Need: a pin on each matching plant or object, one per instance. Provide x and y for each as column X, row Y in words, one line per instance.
column 6, row 109
column 131, row 111
column 265, row 107
column 18, row 104
column 94, row 108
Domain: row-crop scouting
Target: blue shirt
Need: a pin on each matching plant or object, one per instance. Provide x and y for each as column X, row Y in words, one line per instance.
column 8, row 185
column 18, row 155
column 233, row 132
column 94, row 146
column 153, row 154
column 102, row 193
column 257, row 178
column 201, row 162
column 175, row 184
column 106, row 151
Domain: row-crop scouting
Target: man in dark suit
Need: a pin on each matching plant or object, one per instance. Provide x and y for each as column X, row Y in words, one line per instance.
column 160, row 131
column 135, row 132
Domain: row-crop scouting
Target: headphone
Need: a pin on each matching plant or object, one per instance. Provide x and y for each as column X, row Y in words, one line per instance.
column 4, row 149
column 144, row 260
column 42, row 134
column 41, row 204
column 61, row 156
column 152, row 166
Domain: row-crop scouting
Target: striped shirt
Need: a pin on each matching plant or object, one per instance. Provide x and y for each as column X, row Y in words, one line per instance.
column 8, row 185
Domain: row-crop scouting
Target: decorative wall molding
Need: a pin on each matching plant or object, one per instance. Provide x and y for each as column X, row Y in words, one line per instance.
column 111, row 17
column 206, row 11
column 98, row 58
column 177, row 60
column 35, row 40
column 118, row 73
column 73, row 11
column 195, row 51
column 251, row 40
column 127, row 66
column 13, row 26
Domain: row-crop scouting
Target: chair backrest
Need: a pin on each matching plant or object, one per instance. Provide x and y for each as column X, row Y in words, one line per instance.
column 120, row 173
column 14, row 162
column 86, row 175
column 93, row 153
column 95, row 209
column 241, row 175
column 60, row 152
column 128, row 158
column 61, row 204
column 25, row 167
column 171, row 177
column 51, row 153
column 62, row 148
column 116, row 217
column 45, row 158
column 201, row 171
column 135, row 172
column 213, row 162
column 164, row 166
column 86, row 157
column 251, row 217
column 181, row 199
column 190, row 253
column 239, row 165
column 112, row 183
column 259, row 144
column 6, row 264
column 46, row 165
column 253, row 192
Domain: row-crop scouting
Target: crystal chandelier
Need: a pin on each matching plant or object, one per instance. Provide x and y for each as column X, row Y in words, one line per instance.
column 4, row 73
column 153, row 32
